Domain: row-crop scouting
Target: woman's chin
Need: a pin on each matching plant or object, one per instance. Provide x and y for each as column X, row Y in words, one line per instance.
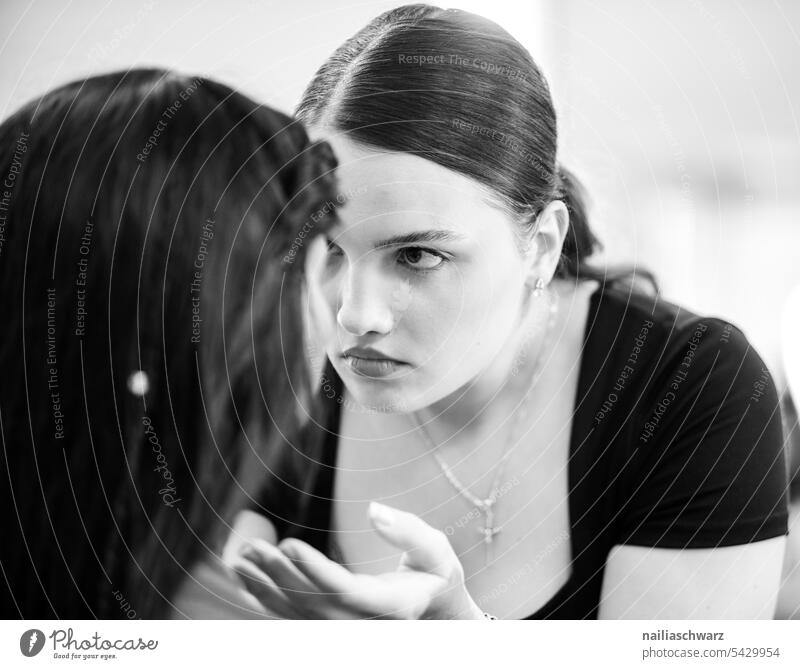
column 399, row 392
column 373, row 395
column 385, row 400
column 378, row 402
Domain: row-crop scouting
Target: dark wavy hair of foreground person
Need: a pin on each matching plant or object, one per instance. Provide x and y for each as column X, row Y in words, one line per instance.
column 457, row 89
column 147, row 218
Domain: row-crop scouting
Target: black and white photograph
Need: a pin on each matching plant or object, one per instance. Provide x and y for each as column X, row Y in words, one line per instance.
column 368, row 311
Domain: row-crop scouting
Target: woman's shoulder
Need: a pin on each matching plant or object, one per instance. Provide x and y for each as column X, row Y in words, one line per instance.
column 701, row 416
column 644, row 348
column 622, row 311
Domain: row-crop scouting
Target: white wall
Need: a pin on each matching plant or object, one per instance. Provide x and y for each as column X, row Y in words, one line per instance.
column 681, row 116
column 269, row 49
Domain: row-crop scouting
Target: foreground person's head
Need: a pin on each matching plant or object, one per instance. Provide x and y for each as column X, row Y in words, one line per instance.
column 151, row 275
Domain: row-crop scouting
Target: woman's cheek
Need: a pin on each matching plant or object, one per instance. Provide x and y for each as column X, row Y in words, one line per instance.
column 484, row 320
column 401, row 300
column 446, row 322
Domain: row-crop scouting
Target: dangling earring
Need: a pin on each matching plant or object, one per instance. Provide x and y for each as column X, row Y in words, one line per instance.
column 538, row 289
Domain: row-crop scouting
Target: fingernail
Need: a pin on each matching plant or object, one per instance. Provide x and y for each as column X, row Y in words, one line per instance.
column 381, row 514
column 287, row 549
column 247, row 551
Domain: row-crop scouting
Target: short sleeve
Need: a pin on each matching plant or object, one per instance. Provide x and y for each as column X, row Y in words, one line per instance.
column 708, row 460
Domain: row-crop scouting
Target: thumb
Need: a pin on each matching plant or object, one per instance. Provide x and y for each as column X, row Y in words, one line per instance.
column 426, row 548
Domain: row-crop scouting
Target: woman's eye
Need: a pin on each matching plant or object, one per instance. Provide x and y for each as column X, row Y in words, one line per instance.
column 419, row 258
column 334, row 248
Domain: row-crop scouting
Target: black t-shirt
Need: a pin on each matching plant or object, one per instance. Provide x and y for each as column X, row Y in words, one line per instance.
column 676, row 442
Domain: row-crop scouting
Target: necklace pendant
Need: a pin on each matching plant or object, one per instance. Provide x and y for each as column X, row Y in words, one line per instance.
column 488, row 533
column 488, row 530
column 488, row 539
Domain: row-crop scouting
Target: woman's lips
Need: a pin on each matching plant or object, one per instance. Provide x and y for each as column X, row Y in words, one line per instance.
column 376, row 368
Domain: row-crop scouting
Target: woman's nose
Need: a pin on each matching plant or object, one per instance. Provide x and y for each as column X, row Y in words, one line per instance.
column 365, row 304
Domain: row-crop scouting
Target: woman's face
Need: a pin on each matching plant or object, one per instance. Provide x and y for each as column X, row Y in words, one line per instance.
column 422, row 279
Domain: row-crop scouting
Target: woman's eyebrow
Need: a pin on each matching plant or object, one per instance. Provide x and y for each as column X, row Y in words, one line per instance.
column 421, row 237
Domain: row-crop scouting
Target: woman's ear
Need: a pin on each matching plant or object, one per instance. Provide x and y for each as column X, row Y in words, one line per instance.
column 544, row 251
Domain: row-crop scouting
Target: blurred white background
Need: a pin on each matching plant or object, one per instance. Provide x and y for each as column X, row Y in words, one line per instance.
column 681, row 117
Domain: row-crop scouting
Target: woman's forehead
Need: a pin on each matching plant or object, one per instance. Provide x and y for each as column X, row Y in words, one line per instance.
column 401, row 188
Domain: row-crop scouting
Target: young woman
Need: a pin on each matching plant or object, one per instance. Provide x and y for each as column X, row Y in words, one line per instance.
column 151, row 276
column 546, row 441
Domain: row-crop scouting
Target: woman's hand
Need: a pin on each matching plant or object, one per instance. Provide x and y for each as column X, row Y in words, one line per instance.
column 296, row 581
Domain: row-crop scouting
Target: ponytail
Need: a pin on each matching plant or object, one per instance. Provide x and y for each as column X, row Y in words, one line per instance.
column 580, row 242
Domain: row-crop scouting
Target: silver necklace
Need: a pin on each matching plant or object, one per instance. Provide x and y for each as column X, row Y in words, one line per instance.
column 486, row 505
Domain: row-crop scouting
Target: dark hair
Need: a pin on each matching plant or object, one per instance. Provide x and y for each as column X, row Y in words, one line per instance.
column 156, row 222
column 456, row 89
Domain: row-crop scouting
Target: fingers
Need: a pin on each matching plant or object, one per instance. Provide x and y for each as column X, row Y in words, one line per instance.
column 298, row 581
column 248, row 525
column 403, row 594
column 359, row 596
column 305, row 595
column 427, row 549
column 326, row 575
column 265, row 591
column 272, row 561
